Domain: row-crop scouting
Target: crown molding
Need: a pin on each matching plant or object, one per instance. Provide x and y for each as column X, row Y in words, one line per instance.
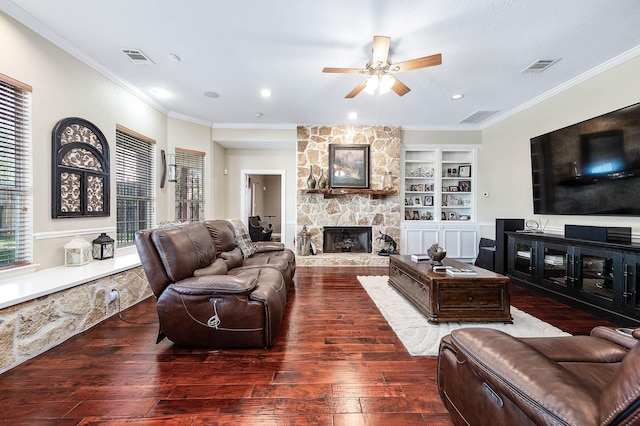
column 624, row 57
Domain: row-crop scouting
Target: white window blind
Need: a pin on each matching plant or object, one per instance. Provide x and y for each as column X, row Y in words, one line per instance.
column 190, row 185
column 16, row 217
column 135, row 191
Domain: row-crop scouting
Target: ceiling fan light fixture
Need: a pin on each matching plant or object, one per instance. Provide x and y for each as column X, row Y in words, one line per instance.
column 386, row 83
column 372, row 85
column 383, row 84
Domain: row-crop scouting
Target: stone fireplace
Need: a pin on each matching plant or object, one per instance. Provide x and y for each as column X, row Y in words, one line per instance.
column 346, row 239
column 318, row 211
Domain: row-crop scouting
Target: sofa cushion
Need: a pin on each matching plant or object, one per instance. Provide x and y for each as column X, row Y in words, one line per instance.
column 232, row 258
column 217, row 267
column 242, row 238
column 222, row 234
column 183, row 249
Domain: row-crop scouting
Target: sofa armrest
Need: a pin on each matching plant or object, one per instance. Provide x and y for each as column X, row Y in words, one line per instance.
column 620, row 336
column 541, row 388
column 215, row 284
column 266, row 246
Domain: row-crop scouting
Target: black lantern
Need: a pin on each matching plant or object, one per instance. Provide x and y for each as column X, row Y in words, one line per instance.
column 103, row 247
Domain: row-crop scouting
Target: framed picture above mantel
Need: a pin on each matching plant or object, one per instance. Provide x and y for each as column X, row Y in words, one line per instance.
column 348, row 166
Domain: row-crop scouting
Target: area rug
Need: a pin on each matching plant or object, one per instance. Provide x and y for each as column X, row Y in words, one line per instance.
column 422, row 338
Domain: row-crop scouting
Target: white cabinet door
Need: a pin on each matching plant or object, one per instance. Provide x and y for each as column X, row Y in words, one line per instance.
column 461, row 243
column 460, row 240
column 418, row 239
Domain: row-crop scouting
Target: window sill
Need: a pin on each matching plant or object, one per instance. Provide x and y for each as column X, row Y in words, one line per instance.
column 22, row 288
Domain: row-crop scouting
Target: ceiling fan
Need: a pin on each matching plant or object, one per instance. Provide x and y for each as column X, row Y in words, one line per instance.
column 380, row 69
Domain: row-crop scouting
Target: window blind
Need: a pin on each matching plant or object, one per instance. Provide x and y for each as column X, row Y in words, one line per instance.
column 16, row 216
column 190, row 185
column 135, row 192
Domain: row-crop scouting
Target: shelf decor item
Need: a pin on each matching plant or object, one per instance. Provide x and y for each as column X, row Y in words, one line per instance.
column 322, row 181
column 311, row 181
column 77, row 252
column 387, row 182
column 103, row 247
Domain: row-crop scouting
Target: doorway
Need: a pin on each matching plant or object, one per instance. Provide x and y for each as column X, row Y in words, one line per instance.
column 263, row 194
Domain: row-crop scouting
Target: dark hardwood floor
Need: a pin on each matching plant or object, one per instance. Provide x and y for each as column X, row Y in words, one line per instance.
column 336, row 362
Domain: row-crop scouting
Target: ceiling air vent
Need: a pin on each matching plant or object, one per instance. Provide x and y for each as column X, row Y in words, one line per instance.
column 539, row 65
column 137, row 56
column 478, row 116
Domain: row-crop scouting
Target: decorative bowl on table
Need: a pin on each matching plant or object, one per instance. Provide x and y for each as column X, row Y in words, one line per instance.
column 437, row 256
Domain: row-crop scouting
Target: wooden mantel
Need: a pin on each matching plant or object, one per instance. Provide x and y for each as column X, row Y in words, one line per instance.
column 336, row 192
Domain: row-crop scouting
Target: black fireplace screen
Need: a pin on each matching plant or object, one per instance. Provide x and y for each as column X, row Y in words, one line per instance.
column 347, row 239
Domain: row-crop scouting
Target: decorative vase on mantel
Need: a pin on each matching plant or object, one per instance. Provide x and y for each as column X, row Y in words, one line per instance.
column 387, row 181
column 311, row 181
column 322, row 181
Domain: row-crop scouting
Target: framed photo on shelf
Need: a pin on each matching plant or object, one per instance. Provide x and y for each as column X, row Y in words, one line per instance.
column 464, row 171
column 464, row 186
column 453, row 216
column 349, row 165
column 453, row 189
column 428, row 200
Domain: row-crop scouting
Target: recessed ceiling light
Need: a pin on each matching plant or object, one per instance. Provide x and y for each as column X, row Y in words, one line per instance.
column 259, row 114
column 457, row 96
column 210, row 94
column 353, row 115
column 174, row 57
column 266, row 93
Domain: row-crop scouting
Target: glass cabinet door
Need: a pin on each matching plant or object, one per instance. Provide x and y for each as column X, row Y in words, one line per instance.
column 595, row 274
column 554, row 265
column 522, row 263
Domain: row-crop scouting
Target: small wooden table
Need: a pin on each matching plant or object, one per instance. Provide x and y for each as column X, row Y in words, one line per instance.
column 443, row 298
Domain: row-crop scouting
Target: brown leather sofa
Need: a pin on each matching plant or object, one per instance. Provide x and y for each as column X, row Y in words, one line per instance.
column 487, row 377
column 209, row 292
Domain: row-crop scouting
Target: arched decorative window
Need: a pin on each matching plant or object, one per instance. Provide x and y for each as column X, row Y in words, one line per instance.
column 80, row 170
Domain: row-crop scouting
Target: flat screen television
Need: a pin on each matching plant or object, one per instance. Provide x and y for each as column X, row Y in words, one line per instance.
column 589, row 168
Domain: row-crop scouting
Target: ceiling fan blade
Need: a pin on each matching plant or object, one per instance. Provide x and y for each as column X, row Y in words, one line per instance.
column 380, row 49
column 345, row 70
column 412, row 64
column 359, row 88
column 400, row 88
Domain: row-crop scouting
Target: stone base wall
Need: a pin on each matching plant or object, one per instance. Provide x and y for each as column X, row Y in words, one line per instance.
column 31, row 328
column 315, row 211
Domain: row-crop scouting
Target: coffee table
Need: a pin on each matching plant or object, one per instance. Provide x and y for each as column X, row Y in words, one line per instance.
column 442, row 298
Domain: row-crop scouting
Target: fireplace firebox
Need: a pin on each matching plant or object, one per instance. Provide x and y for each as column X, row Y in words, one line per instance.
column 347, row 239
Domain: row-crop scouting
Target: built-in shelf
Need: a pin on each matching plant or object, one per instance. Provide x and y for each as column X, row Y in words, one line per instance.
column 336, row 192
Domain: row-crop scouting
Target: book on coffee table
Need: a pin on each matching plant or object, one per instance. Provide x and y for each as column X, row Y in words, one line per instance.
column 419, row 257
column 461, row 272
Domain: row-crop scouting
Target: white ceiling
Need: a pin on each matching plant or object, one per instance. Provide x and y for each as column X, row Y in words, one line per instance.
column 236, row 48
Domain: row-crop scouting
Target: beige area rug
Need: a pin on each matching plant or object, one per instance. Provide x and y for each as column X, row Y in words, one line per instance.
column 422, row 338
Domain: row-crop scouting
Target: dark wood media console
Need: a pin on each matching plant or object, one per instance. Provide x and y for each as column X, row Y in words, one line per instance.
column 600, row 277
column 442, row 298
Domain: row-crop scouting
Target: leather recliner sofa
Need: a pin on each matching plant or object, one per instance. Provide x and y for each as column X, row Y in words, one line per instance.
column 487, row 377
column 209, row 292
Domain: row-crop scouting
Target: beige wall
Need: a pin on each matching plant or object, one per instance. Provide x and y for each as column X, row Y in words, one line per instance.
column 504, row 158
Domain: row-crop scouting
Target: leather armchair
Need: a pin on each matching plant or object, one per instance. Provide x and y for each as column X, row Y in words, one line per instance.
column 257, row 232
column 487, row 377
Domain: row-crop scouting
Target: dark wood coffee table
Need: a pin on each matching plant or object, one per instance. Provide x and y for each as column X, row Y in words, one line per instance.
column 442, row 298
